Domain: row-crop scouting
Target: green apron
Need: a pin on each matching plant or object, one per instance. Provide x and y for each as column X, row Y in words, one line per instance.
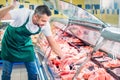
column 17, row 44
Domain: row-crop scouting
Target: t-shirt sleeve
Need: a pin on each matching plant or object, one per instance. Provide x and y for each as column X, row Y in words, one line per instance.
column 18, row 13
column 14, row 13
column 47, row 30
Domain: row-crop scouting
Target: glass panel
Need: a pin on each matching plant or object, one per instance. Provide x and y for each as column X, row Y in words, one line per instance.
column 77, row 13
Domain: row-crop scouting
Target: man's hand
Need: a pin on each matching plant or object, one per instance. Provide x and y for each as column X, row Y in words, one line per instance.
column 62, row 55
column 15, row 3
column 4, row 11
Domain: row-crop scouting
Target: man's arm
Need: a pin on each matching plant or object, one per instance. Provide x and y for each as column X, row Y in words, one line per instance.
column 4, row 11
column 55, row 47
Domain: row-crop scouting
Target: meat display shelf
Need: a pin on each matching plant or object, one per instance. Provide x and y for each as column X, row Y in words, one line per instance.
column 88, row 28
column 90, row 36
column 109, row 70
column 98, row 63
column 83, row 25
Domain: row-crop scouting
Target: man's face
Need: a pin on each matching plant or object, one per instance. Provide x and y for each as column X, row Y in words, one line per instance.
column 40, row 20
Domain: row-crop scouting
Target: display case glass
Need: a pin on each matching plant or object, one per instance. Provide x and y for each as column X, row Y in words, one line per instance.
column 85, row 26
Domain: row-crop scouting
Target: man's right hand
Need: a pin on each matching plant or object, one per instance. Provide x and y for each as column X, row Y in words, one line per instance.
column 15, row 3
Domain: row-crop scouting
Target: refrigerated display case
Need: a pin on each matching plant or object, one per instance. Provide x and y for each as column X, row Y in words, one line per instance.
column 85, row 26
column 84, row 38
column 90, row 51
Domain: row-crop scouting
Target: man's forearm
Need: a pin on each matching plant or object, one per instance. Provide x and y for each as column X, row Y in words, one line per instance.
column 55, row 46
column 5, row 10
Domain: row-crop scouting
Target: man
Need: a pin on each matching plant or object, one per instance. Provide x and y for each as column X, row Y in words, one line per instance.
column 16, row 43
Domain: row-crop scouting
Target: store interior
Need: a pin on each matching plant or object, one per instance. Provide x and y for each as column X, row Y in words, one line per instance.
column 88, row 31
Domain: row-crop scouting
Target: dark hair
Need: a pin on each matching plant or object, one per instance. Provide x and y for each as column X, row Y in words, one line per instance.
column 42, row 9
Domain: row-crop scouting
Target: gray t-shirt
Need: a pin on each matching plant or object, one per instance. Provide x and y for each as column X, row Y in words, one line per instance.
column 20, row 16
